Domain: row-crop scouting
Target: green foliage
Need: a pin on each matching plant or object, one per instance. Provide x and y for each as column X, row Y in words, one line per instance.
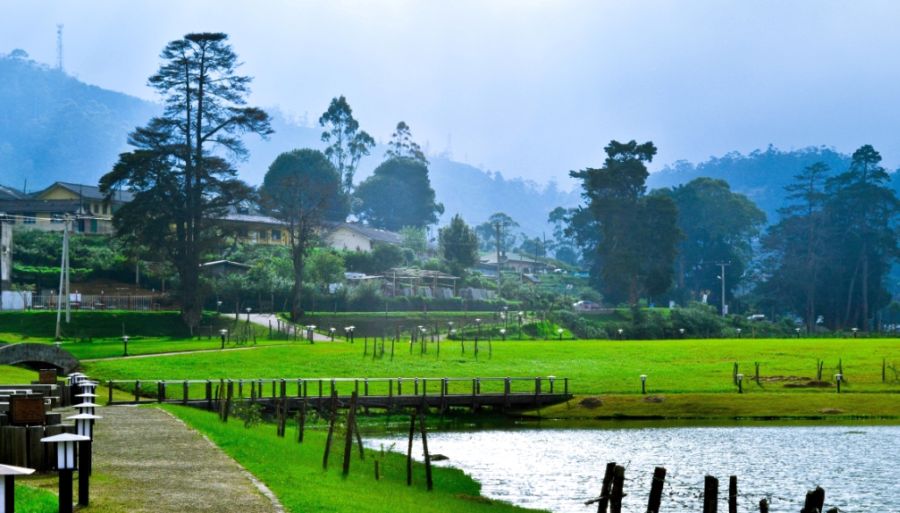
column 634, row 248
column 47, row 276
column 180, row 181
column 414, row 239
column 487, row 232
column 249, row 412
column 325, row 267
column 459, row 245
column 379, row 260
column 302, row 189
column 94, row 324
column 347, row 144
column 402, row 145
column 719, row 226
column 398, row 194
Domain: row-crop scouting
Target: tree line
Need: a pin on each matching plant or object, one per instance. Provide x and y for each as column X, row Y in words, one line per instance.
column 826, row 259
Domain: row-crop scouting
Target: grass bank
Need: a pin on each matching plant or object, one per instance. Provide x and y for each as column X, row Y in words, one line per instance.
column 303, row 486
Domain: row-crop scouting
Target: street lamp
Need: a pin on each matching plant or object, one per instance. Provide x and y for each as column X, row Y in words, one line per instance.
column 125, row 344
column 218, row 306
column 66, row 463
column 740, row 380
column 223, row 333
column 248, row 314
column 620, row 331
column 559, row 331
column 8, row 475
column 331, row 331
column 854, row 330
column 348, row 330
column 838, row 378
column 738, row 330
column 310, row 330
column 797, row 331
column 503, row 333
column 681, row 331
column 520, row 315
column 449, row 327
column 643, row 383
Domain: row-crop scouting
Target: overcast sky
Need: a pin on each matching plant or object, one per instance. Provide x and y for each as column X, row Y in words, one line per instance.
column 527, row 87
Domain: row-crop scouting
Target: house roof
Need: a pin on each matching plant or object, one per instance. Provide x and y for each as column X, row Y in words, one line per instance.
column 91, row 192
column 8, row 193
column 224, row 264
column 252, row 218
column 36, row 206
column 491, row 259
column 370, row 233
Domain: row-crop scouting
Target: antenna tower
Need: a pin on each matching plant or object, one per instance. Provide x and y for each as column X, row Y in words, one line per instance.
column 59, row 47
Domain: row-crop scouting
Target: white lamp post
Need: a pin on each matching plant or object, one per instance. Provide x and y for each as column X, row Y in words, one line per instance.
column 8, row 475
column 66, row 463
column 86, row 407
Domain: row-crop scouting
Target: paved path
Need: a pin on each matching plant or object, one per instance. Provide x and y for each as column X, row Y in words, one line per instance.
column 158, row 464
column 265, row 319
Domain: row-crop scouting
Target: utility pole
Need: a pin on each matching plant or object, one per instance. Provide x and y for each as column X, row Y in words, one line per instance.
column 5, row 257
column 59, row 47
column 722, row 266
column 63, row 281
column 497, row 227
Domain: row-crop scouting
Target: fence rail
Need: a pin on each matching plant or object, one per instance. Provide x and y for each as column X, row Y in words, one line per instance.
column 386, row 393
column 97, row 302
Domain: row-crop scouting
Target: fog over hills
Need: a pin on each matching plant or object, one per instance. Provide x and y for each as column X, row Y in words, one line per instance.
column 55, row 127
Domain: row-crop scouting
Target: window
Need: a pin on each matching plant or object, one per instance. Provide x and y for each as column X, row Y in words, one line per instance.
column 276, row 234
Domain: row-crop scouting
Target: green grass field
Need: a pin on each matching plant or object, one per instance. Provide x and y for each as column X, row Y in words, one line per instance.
column 594, row 367
column 257, row 448
column 699, row 372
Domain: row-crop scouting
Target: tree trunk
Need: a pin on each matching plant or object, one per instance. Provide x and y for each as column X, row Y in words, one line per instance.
column 297, row 303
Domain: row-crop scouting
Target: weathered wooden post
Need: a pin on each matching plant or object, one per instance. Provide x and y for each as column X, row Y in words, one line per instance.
column 656, row 489
column 351, row 426
column 606, row 487
column 412, row 432
column 618, row 493
column 815, row 501
column 110, row 385
column 137, row 391
column 301, row 420
column 732, row 494
column 184, row 392
column 330, row 430
column 710, row 495
column 428, row 482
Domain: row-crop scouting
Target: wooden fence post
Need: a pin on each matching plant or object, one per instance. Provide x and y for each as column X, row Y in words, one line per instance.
column 412, row 432
column 763, row 506
column 710, row 495
column 606, row 487
column 351, row 425
column 428, row 482
column 732, row 494
column 209, row 395
column 815, row 501
column 330, row 430
column 656, row 489
column 301, row 421
column 615, row 499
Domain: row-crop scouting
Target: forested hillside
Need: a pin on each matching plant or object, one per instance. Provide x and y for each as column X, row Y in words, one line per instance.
column 54, row 127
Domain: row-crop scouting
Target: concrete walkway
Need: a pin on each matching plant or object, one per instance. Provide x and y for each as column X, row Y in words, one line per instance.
column 266, row 319
column 156, row 463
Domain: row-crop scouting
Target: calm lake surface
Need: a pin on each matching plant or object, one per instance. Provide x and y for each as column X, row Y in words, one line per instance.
column 559, row 469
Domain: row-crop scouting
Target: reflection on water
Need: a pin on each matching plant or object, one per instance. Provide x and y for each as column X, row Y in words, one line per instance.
column 559, row 469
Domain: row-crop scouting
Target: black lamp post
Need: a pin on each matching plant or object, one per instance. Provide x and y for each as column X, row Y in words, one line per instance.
column 125, row 345
column 66, row 463
column 84, row 425
column 223, row 333
column 643, row 383
column 8, row 475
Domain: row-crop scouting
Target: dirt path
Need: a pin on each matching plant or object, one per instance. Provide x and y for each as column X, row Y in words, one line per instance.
column 158, row 464
column 266, row 319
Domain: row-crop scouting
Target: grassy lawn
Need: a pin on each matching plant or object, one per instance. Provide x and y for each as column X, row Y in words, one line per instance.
column 302, row 486
column 594, row 367
column 35, row 500
column 16, row 375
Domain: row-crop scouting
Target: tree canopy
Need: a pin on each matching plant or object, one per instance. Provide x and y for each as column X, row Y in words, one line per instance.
column 459, row 245
column 180, row 171
column 303, row 190
column 398, row 194
column 347, row 144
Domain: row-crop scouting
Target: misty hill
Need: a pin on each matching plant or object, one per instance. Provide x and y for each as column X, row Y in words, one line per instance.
column 761, row 174
column 54, row 127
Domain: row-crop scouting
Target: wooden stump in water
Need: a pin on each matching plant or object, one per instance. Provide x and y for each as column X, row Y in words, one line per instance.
column 656, row 489
column 618, row 492
column 710, row 495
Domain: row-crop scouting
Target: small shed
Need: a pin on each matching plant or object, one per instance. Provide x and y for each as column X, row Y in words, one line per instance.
column 224, row 267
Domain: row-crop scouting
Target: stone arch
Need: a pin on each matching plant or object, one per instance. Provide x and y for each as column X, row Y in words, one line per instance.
column 44, row 354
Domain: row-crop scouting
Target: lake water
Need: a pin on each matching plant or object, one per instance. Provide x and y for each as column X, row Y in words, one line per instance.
column 559, row 469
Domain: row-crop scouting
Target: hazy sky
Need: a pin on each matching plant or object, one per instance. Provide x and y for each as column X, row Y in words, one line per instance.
column 530, row 88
